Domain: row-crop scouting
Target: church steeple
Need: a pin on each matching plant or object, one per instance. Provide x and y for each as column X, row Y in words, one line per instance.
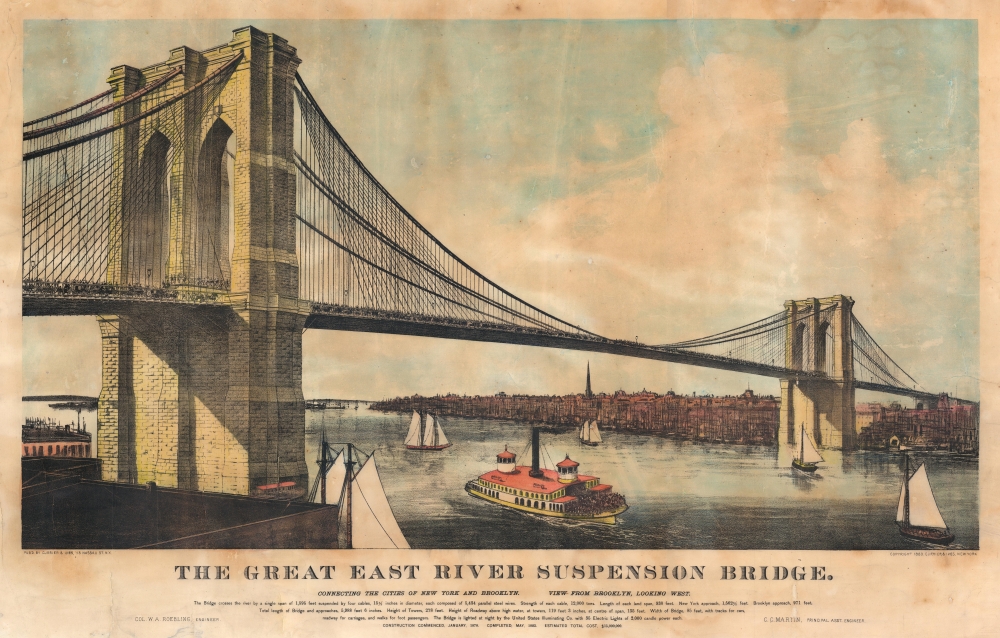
column 589, row 393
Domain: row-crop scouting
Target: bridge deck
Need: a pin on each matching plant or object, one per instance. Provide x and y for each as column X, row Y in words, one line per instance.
column 423, row 326
column 526, row 337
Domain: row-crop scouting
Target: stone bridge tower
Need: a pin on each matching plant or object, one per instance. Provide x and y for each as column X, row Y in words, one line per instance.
column 206, row 397
column 819, row 340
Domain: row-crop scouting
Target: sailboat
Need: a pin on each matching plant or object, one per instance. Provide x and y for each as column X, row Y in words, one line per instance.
column 425, row 434
column 365, row 519
column 332, row 472
column 808, row 455
column 918, row 515
column 589, row 434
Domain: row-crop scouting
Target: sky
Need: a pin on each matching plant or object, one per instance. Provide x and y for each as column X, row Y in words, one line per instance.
column 655, row 179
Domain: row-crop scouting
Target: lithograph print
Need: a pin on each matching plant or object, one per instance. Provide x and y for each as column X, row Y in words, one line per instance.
column 597, row 323
column 711, row 282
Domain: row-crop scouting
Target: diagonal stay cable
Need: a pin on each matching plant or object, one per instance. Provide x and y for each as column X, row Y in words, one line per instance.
column 70, row 108
column 380, row 268
column 879, row 364
column 86, row 117
column 371, row 204
column 162, row 105
column 774, row 322
column 886, row 374
column 867, row 334
column 327, row 192
column 403, row 211
column 750, row 327
column 712, row 341
column 388, row 242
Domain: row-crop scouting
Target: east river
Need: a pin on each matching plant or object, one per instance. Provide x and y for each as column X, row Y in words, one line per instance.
column 681, row 494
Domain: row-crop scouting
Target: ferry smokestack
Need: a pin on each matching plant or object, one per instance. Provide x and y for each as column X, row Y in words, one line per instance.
column 535, row 470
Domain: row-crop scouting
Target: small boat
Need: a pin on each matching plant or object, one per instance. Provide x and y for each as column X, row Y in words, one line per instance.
column 918, row 515
column 561, row 492
column 589, row 434
column 808, row 455
column 425, row 434
column 365, row 519
column 280, row 491
column 325, row 404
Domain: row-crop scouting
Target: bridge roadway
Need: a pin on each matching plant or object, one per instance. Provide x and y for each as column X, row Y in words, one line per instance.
column 89, row 300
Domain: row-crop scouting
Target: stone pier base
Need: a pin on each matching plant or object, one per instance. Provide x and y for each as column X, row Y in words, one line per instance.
column 202, row 399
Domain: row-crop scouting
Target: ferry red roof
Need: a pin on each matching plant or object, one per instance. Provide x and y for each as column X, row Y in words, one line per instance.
column 600, row 488
column 564, row 499
column 519, row 480
column 505, row 454
column 567, row 462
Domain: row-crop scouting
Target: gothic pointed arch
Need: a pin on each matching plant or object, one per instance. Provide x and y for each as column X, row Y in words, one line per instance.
column 148, row 219
column 823, row 346
column 798, row 347
column 211, row 225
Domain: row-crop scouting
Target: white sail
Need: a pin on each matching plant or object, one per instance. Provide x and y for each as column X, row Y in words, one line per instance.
column 334, row 480
column 595, row 434
column 583, row 430
column 901, row 508
column 809, row 452
column 441, row 438
column 373, row 525
column 924, row 511
column 428, row 439
column 413, row 435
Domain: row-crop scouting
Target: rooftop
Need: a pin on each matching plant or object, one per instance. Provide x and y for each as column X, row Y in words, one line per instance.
column 519, row 480
column 53, row 434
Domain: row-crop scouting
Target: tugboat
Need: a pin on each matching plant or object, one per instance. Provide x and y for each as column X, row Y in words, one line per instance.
column 918, row 515
column 425, row 434
column 808, row 456
column 562, row 493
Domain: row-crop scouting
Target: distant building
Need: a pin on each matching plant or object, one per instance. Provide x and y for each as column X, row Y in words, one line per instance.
column 944, row 426
column 44, row 437
column 747, row 418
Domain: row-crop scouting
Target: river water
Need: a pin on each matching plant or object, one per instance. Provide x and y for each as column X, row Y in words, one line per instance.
column 681, row 494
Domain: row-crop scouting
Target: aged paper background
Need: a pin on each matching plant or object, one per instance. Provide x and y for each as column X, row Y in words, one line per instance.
column 79, row 594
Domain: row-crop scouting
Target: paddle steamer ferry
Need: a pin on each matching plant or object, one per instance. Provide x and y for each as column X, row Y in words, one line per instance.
column 563, row 492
